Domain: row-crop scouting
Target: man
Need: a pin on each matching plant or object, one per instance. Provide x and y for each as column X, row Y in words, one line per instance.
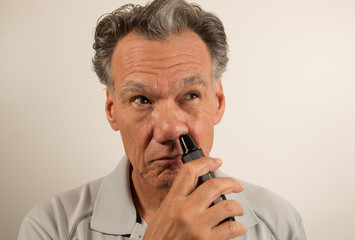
column 162, row 66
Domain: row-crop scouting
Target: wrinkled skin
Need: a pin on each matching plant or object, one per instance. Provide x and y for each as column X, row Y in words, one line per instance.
column 163, row 89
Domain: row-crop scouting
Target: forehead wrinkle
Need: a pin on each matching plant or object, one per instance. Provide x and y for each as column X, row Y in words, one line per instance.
column 158, row 62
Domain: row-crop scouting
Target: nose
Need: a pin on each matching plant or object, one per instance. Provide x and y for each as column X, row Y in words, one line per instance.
column 169, row 122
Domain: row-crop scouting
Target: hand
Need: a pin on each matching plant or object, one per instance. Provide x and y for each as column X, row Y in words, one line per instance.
column 185, row 212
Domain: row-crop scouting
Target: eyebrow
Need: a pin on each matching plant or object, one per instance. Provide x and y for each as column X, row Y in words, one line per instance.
column 196, row 80
column 134, row 86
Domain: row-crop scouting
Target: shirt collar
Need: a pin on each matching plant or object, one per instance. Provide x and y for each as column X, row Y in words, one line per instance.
column 249, row 218
column 114, row 210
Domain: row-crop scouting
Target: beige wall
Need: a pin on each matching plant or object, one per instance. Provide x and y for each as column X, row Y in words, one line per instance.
column 290, row 116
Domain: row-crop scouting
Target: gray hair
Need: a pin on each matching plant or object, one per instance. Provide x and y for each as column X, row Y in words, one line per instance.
column 157, row 20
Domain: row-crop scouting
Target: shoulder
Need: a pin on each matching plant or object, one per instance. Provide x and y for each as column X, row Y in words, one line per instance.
column 55, row 217
column 273, row 211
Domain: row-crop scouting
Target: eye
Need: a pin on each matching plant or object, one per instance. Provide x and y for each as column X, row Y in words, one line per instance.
column 140, row 100
column 191, row 95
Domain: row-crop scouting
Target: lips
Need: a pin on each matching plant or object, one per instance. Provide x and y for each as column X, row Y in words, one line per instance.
column 169, row 158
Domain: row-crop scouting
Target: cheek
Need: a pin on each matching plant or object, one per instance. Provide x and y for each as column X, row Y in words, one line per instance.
column 201, row 128
column 203, row 134
column 132, row 124
column 135, row 136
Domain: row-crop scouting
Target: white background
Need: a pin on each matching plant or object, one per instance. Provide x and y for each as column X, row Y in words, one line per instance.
column 289, row 124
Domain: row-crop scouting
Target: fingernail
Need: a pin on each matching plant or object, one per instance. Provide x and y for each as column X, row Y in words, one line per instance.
column 244, row 226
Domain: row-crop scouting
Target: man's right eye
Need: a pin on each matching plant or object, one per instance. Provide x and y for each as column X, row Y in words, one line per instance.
column 140, row 100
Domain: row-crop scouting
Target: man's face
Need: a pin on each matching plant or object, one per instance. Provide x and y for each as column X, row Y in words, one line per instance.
column 162, row 89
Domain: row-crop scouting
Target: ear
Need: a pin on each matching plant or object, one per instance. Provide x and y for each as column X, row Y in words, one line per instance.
column 220, row 103
column 110, row 111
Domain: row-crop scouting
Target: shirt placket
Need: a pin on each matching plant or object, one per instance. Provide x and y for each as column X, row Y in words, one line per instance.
column 138, row 231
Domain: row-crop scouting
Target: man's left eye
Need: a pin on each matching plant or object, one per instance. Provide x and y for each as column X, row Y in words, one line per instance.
column 191, row 95
column 141, row 100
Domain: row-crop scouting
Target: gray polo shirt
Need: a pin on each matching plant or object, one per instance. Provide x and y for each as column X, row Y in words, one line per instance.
column 104, row 209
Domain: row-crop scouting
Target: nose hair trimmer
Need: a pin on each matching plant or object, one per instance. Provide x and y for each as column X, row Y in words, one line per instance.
column 192, row 152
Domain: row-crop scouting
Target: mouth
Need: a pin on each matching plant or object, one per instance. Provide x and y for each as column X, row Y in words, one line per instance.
column 168, row 159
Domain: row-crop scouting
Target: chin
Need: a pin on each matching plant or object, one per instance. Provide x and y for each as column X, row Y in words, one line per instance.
column 166, row 180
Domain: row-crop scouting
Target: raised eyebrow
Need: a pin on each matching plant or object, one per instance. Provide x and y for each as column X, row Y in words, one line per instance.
column 191, row 81
column 133, row 86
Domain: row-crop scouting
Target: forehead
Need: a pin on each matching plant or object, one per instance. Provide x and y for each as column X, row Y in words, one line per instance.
column 180, row 56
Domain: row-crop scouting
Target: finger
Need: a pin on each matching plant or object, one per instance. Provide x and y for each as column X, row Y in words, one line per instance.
column 185, row 181
column 209, row 191
column 219, row 212
column 228, row 230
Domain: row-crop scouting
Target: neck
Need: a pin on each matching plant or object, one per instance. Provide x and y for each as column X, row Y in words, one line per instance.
column 146, row 198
